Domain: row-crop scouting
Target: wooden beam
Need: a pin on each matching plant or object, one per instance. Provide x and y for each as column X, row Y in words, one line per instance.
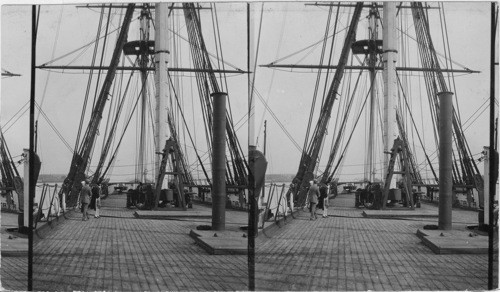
column 129, row 68
column 152, row 7
column 364, row 6
column 9, row 74
column 414, row 69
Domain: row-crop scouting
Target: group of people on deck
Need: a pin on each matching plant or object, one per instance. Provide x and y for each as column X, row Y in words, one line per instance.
column 317, row 198
column 90, row 197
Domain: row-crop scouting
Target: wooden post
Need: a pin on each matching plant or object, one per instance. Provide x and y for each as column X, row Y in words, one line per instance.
column 486, row 190
column 219, row 162
column 445, row 160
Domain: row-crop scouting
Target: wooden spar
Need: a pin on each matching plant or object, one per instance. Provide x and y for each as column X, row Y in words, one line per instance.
column 408, row 69
column 365, row 6
column 161, row 81
column 81, row 158
column 389, row 77
column 31, row 186
column 143, row 62
column 9, row 74
column 373, row 28
column 130, row 68
column 253, row 201
column 493, row 150
column 251, row 77
column 124, row 6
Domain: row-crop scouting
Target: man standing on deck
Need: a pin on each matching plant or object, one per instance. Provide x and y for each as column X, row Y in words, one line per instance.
column 95, row 200
column 85, row 199
column 323, row 199
column 312, row 197
column 290, row 196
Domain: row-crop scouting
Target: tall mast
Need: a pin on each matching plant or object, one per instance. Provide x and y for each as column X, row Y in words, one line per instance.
column 252, row 218
column 161, row 80
column 389, row 75
column 251, row 68
column 143, row 63
column 31, row 175
column 373, row 35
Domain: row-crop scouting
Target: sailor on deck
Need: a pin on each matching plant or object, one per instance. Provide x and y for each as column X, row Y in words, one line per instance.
column 85, row 199
column 312, row 197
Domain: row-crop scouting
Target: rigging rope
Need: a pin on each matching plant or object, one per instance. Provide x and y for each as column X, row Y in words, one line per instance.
column 273, row 115
column 89, row 81
column 451, row 66
column 52, row 56
column 340, row 134
column 304, row 49
column 254, row 65
column 80, row 160
column 437, row 53
column 102, row 57
column 271, row 82
column 23, row 108
column 189, row 133
column 309, row 159
column 115, row 153
column 207, row 82
column 99, row 71
column 416, row 129
column 112, row 132
column 195, row 44
column 435, row 82
column 53, row 127
column 341, row 157
column 318, row 76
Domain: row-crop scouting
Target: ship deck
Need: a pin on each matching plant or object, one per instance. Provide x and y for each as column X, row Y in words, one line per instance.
column 345, row 251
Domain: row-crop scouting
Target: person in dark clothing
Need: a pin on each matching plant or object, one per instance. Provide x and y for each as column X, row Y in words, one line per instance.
column 149, row 197
column 323, row 199
column 312, row 196
column 95, row 201
column 85, row 199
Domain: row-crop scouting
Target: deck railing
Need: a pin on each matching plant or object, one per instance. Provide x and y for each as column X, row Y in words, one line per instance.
column 282, row 207
column 48, row 194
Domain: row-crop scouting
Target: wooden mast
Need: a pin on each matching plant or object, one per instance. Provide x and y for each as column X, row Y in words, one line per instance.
column 161, row 81
column 31, row 186
column 372, row 62
column 389, row 76
column 252, row 216
column 143, row 62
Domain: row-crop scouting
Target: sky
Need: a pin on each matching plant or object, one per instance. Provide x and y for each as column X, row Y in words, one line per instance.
column 287, row 28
